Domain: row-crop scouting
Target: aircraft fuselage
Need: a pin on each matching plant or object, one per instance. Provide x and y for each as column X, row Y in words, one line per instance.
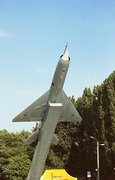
column 50, row 120
column 51, row 108
column 58, row 80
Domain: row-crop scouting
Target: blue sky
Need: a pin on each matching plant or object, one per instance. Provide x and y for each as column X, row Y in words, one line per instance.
column 33, row 34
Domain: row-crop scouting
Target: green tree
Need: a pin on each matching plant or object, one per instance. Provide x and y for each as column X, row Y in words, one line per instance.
column 97, row 109
column 12, row 153
column 17, row 167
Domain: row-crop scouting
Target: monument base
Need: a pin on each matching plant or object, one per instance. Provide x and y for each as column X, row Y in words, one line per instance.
column 56, row 174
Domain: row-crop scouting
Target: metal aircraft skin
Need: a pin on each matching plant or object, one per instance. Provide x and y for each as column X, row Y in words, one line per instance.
column 51, row 108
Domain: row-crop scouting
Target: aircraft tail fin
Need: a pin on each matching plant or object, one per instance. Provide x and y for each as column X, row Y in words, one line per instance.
column 32, row 138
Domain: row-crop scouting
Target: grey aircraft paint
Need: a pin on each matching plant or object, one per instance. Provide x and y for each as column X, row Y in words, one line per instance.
column 51, row 108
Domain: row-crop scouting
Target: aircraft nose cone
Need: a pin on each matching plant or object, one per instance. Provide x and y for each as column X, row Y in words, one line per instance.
column 65, row 56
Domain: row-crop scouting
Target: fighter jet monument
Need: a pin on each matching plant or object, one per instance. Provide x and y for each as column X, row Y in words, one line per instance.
column 50, row 109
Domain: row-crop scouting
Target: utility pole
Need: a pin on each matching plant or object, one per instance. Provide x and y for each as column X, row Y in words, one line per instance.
column 98, row 174
column 98, row 168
